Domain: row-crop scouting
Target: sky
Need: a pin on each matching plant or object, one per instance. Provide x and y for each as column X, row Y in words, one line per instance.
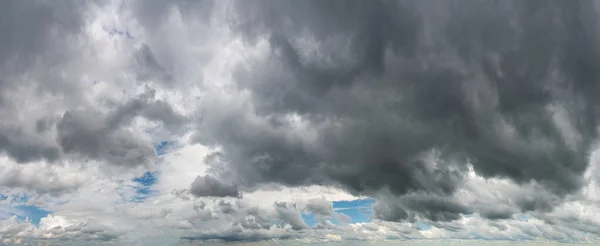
column 284, row 122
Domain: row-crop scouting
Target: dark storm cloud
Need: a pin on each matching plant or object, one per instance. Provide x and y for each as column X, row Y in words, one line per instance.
column 389, row 211
column 539, row 201
column 505, row 86
column 209, row 186
column 419, row 206
column 496, row 213
column 435, row 208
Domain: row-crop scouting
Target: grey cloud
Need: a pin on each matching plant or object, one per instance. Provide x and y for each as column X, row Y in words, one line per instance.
column 424, row 206
column 84, row 231
column 227, row 207
column 585, row 225
column 29, row 28
column 254, row 218
column 92, row 134
column 255, row 221
column 42, row 52
column 41, row 38
column 394, row 96
column 23, row 146
column 449, row 226
column 539, row 201
column 149, row 67
column 497, row 213
column 153, row 12
column 83, row 133
column 43, row 182
column 290, row 215
column 36, row 36
column 467, row 81
column 389, row 211
column 209, row 186
column 44, row 124
column 242, row 221
column 89, row 233
column 435, row 208
column 198, row 207
column 319, row 206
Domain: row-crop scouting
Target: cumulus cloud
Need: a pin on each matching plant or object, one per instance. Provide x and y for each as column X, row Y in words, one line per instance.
column 461, row 119
column 211, row 187
column 93, row 135
column 320, row 207
column 502, row 105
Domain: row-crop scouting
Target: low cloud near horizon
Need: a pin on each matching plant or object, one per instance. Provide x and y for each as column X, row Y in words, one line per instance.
column 187, row 122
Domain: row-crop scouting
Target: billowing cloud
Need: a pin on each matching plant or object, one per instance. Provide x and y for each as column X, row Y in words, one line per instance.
column 208, row 186
column 458, row 119
column 428, row 207
column 320, row 207
column 401, row 96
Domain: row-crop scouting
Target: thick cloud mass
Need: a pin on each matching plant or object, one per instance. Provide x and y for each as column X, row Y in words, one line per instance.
column 427, row 207
column 507, row 87
column 145, row 121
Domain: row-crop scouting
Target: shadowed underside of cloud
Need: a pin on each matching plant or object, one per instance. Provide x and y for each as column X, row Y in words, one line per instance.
column 208, row 186
column 459, row 115
column 406, row 96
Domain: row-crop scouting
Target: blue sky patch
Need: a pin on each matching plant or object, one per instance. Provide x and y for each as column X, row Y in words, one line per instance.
column 17, row 207
column 35, row 214
column 163, row 147
column 143, row 188
column 423, row 226
column 310, row 219
column 19, row 198
column 359, row 211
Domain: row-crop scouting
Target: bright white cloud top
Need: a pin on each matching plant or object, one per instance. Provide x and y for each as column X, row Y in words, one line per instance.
column 296, row 122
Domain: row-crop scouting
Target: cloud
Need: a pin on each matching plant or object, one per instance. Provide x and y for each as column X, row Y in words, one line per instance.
column 424, row 206
column 319, row 207
column 94, row 135
column 408, row 113
column 452, row 119
column 25, row 147
column 289, row 214
column 208, row 186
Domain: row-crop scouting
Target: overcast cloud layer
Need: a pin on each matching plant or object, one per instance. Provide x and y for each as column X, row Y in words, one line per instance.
column 186, row 122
